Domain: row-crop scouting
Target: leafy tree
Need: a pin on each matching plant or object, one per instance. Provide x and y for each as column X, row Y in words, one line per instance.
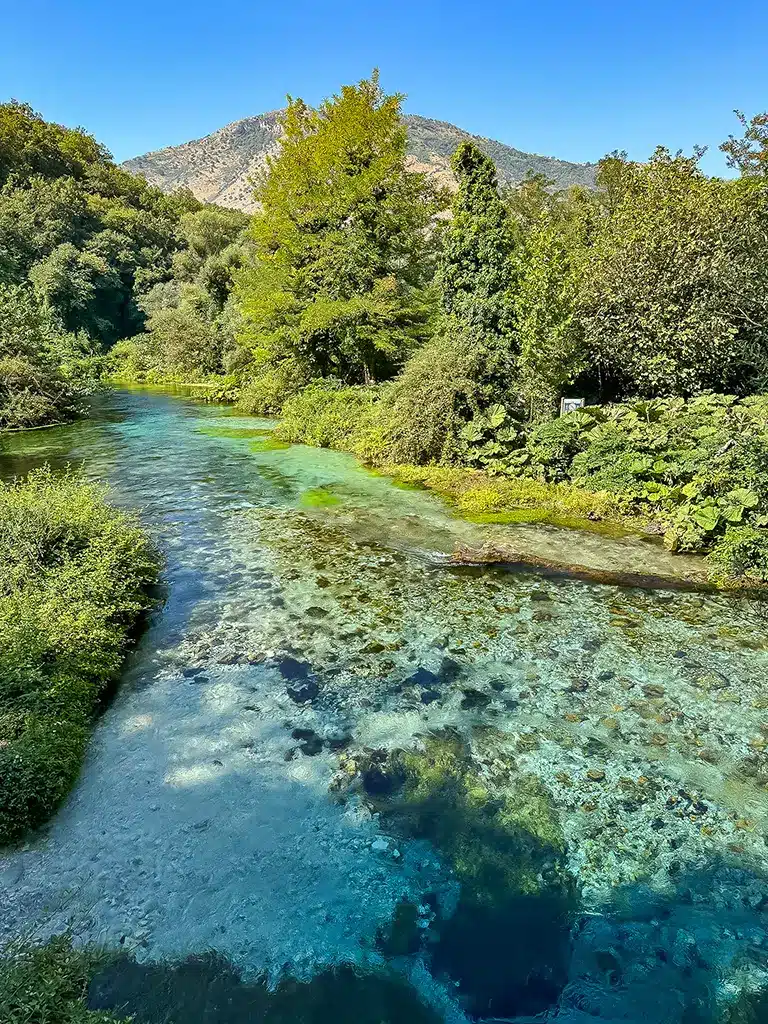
column 551, row 352
column 342, row 251
column 749, row 154
column 33, row 387
column 80, row 241
column 31, row 146
column 671, row 297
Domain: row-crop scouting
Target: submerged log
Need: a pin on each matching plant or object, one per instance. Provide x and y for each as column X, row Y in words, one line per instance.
column 509, row 558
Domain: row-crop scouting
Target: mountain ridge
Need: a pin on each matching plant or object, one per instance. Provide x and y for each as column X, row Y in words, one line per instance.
column 218, row 167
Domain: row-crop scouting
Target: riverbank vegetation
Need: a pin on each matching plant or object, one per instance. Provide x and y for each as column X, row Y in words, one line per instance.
column 91, row 255
column 77, row 575
column 378, row 314
column 417, row 326
column 48, row 984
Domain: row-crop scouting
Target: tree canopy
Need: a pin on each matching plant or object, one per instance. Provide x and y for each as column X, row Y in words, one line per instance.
column 342, row 245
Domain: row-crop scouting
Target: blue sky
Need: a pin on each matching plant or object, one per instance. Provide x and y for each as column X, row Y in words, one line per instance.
column 572, row 80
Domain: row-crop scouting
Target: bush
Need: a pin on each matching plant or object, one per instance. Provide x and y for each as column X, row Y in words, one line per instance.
column 741, row 556
column 328, row 415
column 76, row 575
column 266, row 393
column 442, row 387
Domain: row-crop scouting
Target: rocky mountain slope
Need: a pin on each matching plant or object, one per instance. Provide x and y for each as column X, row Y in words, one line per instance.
column 218, row 168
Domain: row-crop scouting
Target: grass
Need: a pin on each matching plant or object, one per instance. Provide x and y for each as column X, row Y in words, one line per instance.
column 482, row 498
column 48, row 984
column 75, row 576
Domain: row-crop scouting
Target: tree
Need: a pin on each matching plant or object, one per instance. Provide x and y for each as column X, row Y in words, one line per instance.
column 749, row 154
column 476, row 271
column 342, row 251
column 671, row 296
column 33, row 389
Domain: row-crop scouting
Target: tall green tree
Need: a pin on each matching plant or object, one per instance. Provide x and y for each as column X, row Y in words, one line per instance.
column 476, row 276
column 343, row 251
column 470, row 363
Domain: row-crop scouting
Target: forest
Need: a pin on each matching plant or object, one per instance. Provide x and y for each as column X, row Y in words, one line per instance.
column 415, row 326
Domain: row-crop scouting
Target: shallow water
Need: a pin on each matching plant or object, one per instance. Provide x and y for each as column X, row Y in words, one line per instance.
column 577, row 827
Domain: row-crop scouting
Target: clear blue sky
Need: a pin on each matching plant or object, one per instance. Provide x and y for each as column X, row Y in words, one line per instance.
column 572, row 80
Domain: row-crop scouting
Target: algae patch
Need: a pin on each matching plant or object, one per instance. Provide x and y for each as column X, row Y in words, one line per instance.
column 235, row 433
column 506, row 945
column 268, row 444
column 318, row 497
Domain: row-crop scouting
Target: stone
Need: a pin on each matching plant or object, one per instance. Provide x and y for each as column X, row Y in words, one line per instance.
column 475, row 699
column 292, row 668
column 423, row 677
column 653, row 690
column 595, row 775
column 578, row 686
column 450, row 669
column 711, row 681
column 303, row 692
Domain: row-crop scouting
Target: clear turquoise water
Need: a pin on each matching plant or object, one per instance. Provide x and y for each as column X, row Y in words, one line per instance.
column 518, row 795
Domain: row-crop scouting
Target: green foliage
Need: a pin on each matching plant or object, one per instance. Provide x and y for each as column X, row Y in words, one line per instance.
column 30, row 146
column 671, row 293
column 328, row 415
column 443, row 386
column 697, row 468
column 265, row 393
column 48, row 984
column 342, row 254
column 497, row 499
column 741, row 557
column 87, row 239
column 476, row 271
column 44, row 374
column 75, row 578
column 749, row 154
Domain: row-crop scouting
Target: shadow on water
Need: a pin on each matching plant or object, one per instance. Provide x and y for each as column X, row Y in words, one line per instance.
column 676, row 958
column 207, row 990
column 520, row 943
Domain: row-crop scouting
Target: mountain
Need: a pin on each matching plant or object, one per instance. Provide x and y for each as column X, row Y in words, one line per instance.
column 218, row 168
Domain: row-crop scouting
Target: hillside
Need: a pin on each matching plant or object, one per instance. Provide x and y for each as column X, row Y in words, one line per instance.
column 218, row 167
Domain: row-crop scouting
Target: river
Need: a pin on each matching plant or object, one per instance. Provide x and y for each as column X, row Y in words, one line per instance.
column 514, row 793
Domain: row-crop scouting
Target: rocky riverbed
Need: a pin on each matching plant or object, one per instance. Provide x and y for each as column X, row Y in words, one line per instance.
column 524, row 794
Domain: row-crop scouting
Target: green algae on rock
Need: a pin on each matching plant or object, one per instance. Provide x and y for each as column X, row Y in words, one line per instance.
column 506, row 942
column 318, row 497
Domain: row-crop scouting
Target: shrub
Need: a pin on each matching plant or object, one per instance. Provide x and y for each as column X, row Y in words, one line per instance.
column 442, row 387
column 741, row 556
column 328, row 415
column 76, row 575
column 266, row 393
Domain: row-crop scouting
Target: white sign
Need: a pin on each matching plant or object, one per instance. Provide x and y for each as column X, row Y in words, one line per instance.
column 570, row 405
